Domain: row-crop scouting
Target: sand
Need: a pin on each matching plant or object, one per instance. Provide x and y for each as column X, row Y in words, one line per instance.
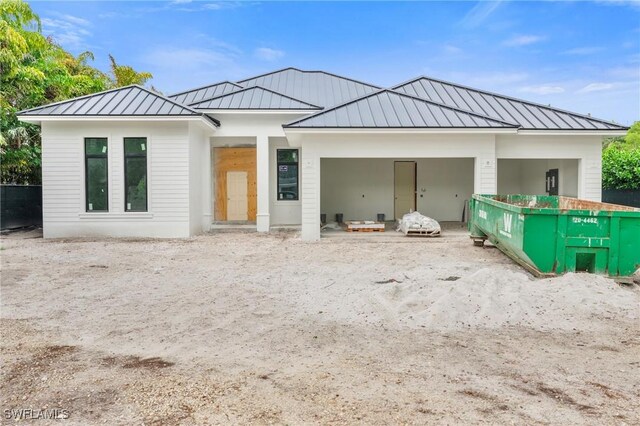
column 250, row 328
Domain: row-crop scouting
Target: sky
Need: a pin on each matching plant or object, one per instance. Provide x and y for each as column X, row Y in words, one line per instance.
column 575, row 55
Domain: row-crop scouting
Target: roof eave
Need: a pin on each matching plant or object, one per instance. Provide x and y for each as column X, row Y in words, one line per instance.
column 489, row 130
column 574, row 132
column 37, row 119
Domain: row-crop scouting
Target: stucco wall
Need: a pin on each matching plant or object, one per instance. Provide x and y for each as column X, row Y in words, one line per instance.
column 64, row 213
column 587, row 149
column 516, row 176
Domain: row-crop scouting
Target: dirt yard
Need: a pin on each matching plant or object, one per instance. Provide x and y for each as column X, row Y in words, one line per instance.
column 267, row 329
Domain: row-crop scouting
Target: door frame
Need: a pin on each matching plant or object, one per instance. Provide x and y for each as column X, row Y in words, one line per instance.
column 415, row 184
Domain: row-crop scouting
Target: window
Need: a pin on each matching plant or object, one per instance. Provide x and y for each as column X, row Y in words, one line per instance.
column 135, row 174
column 96, row 174
column 287, row 174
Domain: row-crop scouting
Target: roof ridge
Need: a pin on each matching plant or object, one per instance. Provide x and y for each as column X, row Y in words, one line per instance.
column 256, row 87
column 204, row 87
column 509, row 98
column 311, row 71
column 161, row 96
column 390, row 90
column 90, row 95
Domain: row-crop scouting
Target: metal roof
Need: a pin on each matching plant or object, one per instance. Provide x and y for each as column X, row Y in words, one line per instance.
column 128, row 101
column 389, row 109
column 254, row 98
column 529, row 115
column 198, row 94
column 315, row 87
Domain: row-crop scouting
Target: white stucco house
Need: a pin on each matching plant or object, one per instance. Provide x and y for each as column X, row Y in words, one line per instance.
column 285, row 147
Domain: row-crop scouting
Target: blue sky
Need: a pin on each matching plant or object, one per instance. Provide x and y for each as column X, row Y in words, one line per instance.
column 581, row 56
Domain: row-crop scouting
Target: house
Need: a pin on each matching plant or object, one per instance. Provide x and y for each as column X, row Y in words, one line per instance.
column 285, row 147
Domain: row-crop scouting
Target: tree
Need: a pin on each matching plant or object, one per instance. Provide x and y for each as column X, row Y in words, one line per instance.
column 35, row 70
column 621, row 160
column 124, row 75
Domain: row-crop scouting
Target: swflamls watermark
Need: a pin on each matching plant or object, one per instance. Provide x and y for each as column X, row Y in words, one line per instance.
column 36, row 414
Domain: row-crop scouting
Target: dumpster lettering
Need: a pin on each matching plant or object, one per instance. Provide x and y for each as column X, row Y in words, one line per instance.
column 584, row 220
column 482, row 214
column 507, row 219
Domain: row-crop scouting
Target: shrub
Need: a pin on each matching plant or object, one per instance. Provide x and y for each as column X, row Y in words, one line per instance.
column 620, row 168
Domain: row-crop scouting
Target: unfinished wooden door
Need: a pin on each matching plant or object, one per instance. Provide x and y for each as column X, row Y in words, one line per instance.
column 404, row 187
column 233, row 159
column 237, row 199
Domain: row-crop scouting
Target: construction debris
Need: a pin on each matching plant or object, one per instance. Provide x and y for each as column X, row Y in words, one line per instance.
column 417, row 224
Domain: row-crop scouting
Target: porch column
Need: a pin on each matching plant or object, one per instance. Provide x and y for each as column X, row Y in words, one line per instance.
column 207, row 188
column 310, row 195
column 262, row 178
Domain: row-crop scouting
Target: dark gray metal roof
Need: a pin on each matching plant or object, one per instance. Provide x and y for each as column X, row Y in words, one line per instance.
column 198, row 94
column 529, row 115
column 315, row 87
column 389, row 109
column 254, row 98
column 128, row 101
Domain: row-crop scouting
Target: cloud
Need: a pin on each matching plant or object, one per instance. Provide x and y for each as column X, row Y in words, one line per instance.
column 67, row 30
column 267, row 54
column 596, row 87
column 587, row 50
column 542, row 89
column 451, row 49
column 522, row 40
column 631, row 3
column 479, row 13
column 170, row 64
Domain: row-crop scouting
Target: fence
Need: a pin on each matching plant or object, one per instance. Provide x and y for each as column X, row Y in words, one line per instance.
column 626, row 197
column 21, row 205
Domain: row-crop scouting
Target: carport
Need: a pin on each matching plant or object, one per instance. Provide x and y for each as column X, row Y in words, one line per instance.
column 364, row 188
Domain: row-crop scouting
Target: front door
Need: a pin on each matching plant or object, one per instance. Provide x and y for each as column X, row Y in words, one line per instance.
column 237, row 200
column 404, row 187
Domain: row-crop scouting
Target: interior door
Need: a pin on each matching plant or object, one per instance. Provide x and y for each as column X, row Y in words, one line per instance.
column 237, row 200
column 404, row 187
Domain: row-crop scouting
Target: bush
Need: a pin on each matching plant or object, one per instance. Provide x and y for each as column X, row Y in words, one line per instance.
column 620, row 168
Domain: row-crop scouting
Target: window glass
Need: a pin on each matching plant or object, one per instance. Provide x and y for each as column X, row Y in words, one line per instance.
column 135, row 145
column 96, row 175
column 287, row 174
column 135, row 172
column 95, row 146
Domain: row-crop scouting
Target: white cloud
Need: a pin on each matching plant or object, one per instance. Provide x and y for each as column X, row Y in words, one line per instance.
column 587, row 50
column 596, row 87
column 67, row 30
column 451, row 49
column 523, row 40
column 479, row 13
column 542, row 89
column 268, row 54
column 170, row 64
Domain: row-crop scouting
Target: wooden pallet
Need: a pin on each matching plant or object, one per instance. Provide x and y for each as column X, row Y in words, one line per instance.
column 422, row 233
column 359, row 226
column 363, row 229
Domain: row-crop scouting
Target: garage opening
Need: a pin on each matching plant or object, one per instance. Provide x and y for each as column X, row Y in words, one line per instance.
column 363, row 188
column 538, row 177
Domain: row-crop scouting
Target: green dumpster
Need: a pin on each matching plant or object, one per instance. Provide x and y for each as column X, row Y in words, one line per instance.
column 550, row 235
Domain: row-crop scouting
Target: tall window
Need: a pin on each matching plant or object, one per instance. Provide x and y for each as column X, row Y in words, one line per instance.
column 287, row 174
column 135, row 174
column 96, row 174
